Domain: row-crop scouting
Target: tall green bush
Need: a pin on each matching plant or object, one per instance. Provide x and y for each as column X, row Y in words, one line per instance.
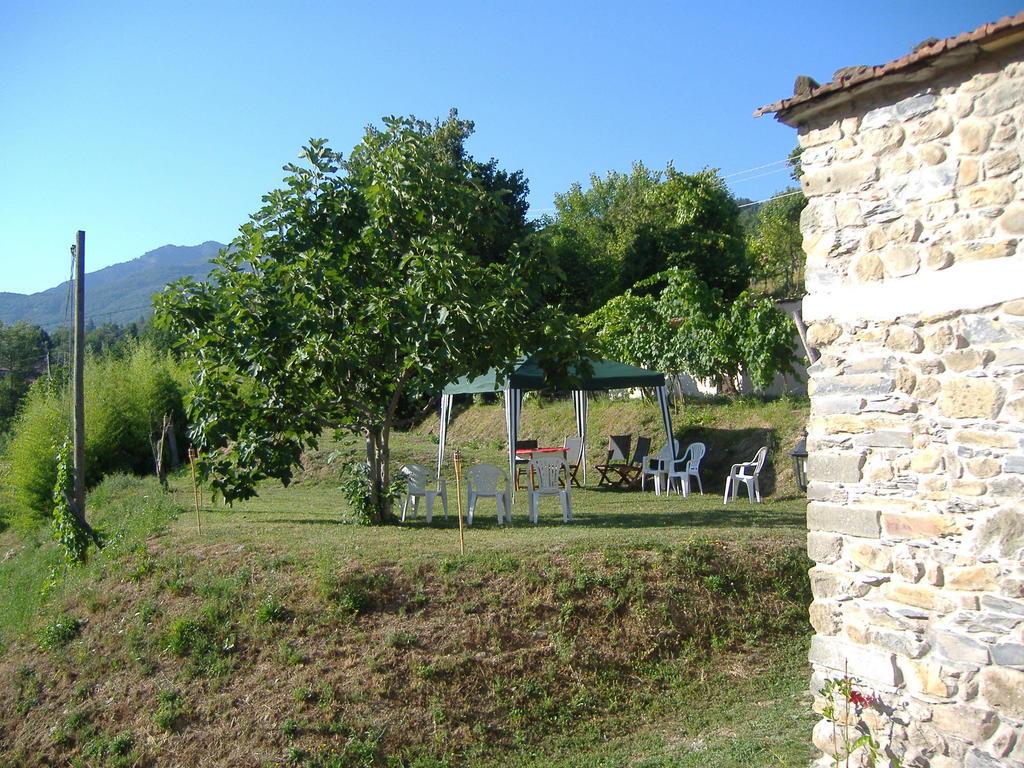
column 30, row 453
column 126, row 398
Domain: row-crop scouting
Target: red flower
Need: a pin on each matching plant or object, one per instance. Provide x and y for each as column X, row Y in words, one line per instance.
column 860, row 700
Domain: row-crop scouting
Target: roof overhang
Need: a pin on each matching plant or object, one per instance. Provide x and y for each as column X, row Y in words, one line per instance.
column 920, row 65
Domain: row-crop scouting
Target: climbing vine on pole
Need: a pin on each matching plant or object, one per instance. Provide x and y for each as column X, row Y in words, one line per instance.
column 69, row 533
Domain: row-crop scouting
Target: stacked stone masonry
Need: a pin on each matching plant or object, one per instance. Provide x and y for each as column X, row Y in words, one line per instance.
column 914, row 234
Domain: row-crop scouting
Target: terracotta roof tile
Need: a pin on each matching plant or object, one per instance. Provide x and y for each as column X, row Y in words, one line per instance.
column 850, row 76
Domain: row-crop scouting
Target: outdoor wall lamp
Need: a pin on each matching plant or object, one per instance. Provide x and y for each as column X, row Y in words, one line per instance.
column 799, row 455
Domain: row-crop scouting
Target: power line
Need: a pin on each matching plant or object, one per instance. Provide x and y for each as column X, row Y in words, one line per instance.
column 92, row 315
column 786, row 162
column 758, row 176
column 759, row 167
column 769, row 199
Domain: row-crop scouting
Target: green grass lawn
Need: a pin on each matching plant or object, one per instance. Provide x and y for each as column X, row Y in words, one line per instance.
column 305, row 518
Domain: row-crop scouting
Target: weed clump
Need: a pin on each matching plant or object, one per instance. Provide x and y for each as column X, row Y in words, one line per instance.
column 353, row 599
column 401, row 640
column 59, row 632
column 28, row 689
column 76, row 727
column 353, row 594
column 114, row 751
column 205, row 641
column 270, row 610
column 170, row 709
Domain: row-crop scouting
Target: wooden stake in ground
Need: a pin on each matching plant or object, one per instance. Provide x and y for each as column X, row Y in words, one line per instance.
column 192, row 456
column 457, row 458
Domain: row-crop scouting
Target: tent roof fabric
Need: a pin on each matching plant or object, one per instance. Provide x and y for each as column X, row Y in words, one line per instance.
column 528, row 375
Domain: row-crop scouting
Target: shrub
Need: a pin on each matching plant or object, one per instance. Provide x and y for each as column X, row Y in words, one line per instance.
column 355, row 489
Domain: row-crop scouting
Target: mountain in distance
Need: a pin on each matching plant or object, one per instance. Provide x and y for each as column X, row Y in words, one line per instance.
column 120, row 293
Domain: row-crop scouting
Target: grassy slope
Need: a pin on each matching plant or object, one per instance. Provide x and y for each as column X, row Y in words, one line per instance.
column 652, row 632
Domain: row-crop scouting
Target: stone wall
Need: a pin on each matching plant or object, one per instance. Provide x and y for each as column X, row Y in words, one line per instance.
column 915, row 276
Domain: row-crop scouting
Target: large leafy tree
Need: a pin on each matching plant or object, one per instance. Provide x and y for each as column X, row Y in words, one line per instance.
column 689, row 221
column 363, row 281
column 776, row 244
column 590, row 232
column 625, row 228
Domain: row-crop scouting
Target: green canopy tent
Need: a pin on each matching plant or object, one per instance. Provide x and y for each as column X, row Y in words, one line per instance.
column 527, row 375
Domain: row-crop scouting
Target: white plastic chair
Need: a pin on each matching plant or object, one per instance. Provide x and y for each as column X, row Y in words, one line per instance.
column 546, row 470
column 573, row 454
column 657, row 465
column 686, row 467
column 418, row 478
column 746, row 472
column 483, row 480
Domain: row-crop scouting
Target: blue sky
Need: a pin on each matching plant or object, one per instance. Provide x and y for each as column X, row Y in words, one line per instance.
column 147, row 123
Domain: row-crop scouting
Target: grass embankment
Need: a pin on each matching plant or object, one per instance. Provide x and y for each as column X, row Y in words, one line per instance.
column 651, row 632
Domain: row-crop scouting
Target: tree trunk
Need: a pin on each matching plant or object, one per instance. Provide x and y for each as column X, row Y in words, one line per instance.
column 158, row 450
column 801, row 330
column 373, row 476
column 727, row 385
column 378, row 459
column 385, row 472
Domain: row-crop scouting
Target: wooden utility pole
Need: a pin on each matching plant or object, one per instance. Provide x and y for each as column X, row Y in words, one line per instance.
column 77, row 388
column 78, row 378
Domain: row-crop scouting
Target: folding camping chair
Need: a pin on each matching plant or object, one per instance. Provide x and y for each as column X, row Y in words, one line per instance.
column 629, row 474
column 573, row 454
column 618, row 450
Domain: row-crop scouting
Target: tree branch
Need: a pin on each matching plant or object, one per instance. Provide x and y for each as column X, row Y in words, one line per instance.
column 410, row 420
